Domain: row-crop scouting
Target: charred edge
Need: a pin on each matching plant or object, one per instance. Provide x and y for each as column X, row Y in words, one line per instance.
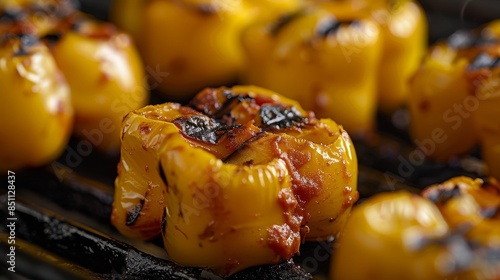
column 283, row 21
column 202, row 128
column 463, row 39
column 484, row 60
column 490, row 212
column 277, row 116
column 164, row 221
column 207, row 9
column 331, row 26
column 52, row 37
column 231, row 101
column 26, row 42
column 443, row 195
column 134, row 212
column 162, row 174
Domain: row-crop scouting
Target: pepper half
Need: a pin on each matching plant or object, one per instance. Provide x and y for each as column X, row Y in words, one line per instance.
column 34, row 104
column 238, row 178
column 324, row 59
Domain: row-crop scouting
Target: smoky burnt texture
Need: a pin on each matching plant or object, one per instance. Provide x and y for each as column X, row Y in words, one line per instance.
column 484, row 60
column 280, row 116
column 463, row 39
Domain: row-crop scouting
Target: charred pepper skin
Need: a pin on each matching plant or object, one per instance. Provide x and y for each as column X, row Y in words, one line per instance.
column 238, row 178
column 105, row 75
column 324, row 59
column 34, row 104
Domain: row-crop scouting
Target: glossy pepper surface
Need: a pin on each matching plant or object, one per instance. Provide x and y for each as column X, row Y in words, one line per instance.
column 238, row 178
column 34, row 104
column 105, row 75
column 323, row 59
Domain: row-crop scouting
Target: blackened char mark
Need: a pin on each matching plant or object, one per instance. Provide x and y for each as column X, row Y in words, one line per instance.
column 164, row 221
column 27, row 41
column 12, row 15
column 463, row 39
column 231, row 101
column 202, row 128
column 484, row 60
column 283, row 21
column 443, row 195
column 278, row 116
column 52, row 37
column 330, row 26
column 134, row 212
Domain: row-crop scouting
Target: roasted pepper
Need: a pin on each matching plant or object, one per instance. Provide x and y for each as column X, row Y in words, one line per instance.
column 238, row 178
column 325, row 60
column 105, row 75
column 404, row 236
column 470, row 203
column 484, row 75
column 442, row 102
column 35, row 108
column 191, row 44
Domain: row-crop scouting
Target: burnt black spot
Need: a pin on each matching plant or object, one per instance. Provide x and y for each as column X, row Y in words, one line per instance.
column 283, row 21
column 134, row 212
column 463, row 39
column 278, row 116
column 162, row 174
column 484, row 60
column 207, row 9
column 231, row 101
column 12, row 15
column 330, row 26
column 164, row 221
column 202, row 128
column 26, row 42
column 490, row 212
column 52, row 37
column 443, row 195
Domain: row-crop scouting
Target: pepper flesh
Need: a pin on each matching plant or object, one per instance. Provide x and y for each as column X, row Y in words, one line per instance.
column 325, row 59
column 34, row 104
column 194, row 173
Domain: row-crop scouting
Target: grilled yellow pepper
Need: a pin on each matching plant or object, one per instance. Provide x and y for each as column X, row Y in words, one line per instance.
column 442, row 103
column 473, row 203
column 440, row 124
column 35, row 107
column 404, row 236
column 106, row 77
column 485, row 78
column 385, row 239
column 237, row 178
column 325, row 61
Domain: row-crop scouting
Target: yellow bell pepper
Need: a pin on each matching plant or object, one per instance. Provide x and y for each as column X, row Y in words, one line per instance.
column 238, row 178
column 452, row 96
column 485, row 77
column 192, row 44
column 385, row 239
column 35, row 108
column 441, row 125
column 452, row 232
column 106, row 77
column 325, row 60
